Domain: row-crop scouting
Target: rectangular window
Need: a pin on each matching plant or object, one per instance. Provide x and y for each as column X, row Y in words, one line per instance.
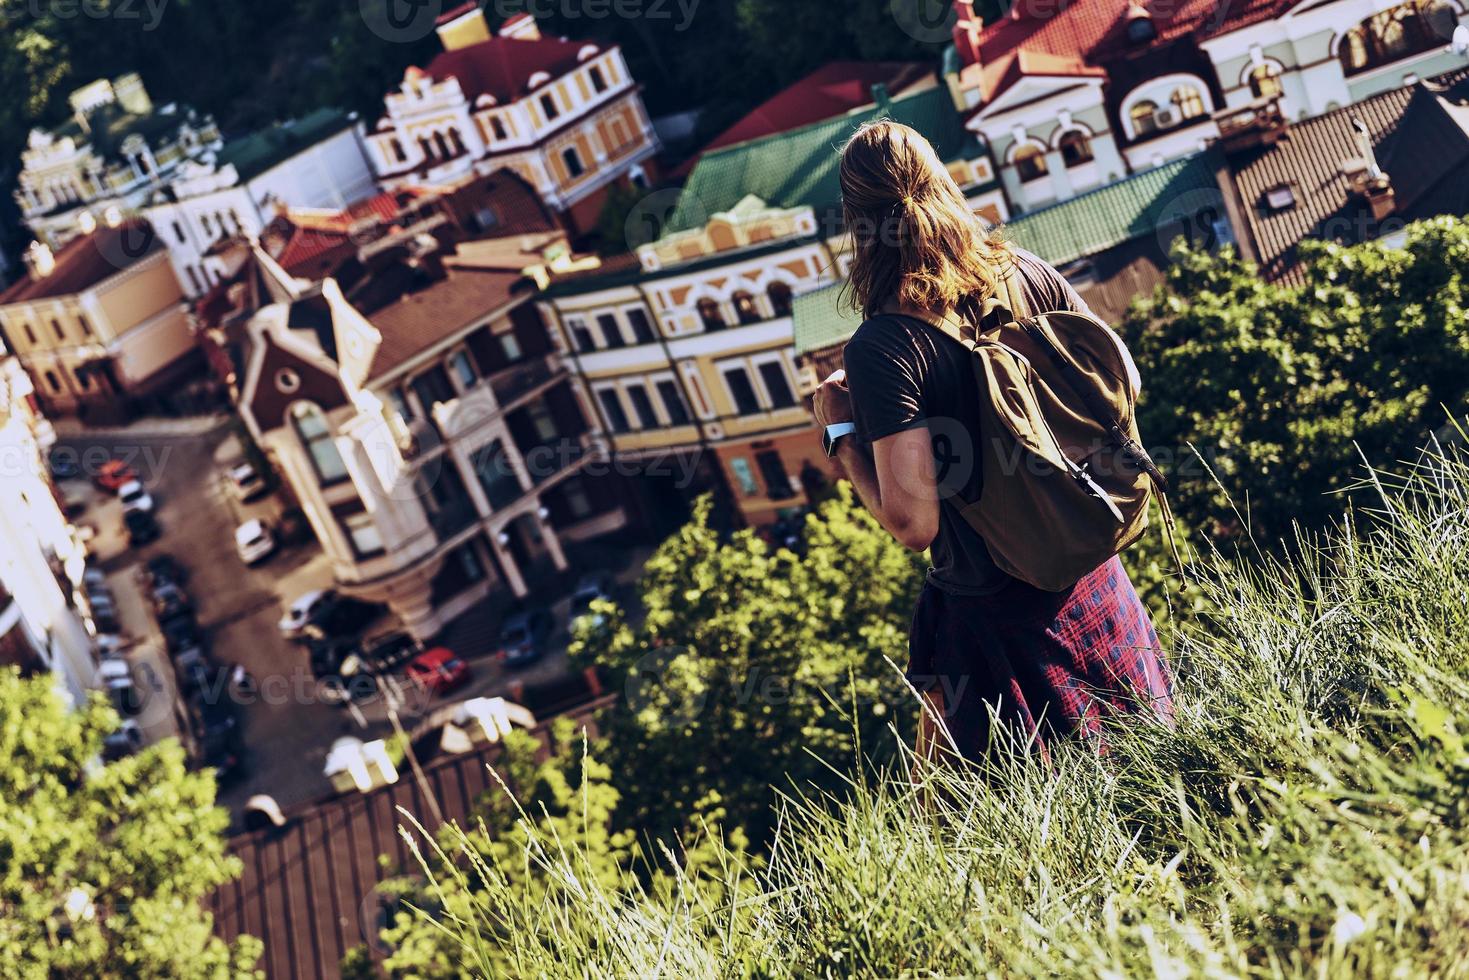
column 496, row 475
column 642, row 329
column 363, row 533
column 578, row 501
column 463, row 369
column 542, row 422
column 612, row 405
column 611, row 330
column 742, row 391
column 510, row 344
column 56, row 329
column 315, row 434
column 580, row 335
column 773, row 373
column 642, row 405
column 178, row 232
column 86, row 327
column 773, row 472
column 572, row 159
column 673, row 403
column 599, row 83
column 548, row 106
column 744, row 476
column 498, row 126
column 432, row 387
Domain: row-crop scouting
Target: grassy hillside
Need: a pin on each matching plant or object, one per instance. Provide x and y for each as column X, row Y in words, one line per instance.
column 1304, row 817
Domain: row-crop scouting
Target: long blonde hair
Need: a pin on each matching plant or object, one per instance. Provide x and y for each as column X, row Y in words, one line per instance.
column 915, row 241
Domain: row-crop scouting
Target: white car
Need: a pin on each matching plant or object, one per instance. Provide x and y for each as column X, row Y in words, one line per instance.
column 305, row 608
column 245, row 483
column 134, row 497
column 253, row 541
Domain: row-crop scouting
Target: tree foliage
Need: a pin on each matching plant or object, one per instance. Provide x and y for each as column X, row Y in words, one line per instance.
column 1286, row 389
column 103, row 867
column 753, row 665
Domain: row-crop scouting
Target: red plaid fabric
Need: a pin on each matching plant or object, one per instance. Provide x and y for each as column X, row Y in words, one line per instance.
column 1046, row 662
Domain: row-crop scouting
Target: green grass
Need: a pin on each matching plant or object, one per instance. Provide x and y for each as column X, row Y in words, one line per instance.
column 1304, row 816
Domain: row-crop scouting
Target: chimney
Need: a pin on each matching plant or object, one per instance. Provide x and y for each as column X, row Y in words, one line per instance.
column 1367, row 178
column 521, row 27
column 461, row 27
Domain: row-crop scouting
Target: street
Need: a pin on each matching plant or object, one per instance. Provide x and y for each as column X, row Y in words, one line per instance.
column 287, row 730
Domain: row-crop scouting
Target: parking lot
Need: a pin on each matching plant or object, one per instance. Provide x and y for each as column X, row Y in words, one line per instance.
column 285, row 726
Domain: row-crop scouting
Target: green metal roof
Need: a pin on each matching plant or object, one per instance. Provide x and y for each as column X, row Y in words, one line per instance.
column 254, row 154
column 823, row 317
column 799, row 167
column 1130, row 208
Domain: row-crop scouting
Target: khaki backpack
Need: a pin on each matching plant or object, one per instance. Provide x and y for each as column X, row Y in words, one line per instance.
column 1066, row 482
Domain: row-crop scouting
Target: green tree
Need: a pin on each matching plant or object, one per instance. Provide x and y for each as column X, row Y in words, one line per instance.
column 1286, row 389
column 752, row 666
column 103, row 867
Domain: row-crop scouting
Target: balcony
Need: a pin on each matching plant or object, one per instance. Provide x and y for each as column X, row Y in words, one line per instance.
column 512, row 384
column 1257, row 125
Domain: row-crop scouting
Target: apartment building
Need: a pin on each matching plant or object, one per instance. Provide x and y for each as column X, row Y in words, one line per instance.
column 115, row 150
column 427, row 426
column 566, row 115
column 317, row 162
column 102, row 323
column 1074, row 96
column 684, row 347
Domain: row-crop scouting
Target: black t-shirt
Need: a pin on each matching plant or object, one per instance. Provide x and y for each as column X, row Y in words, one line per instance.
column 904, row 373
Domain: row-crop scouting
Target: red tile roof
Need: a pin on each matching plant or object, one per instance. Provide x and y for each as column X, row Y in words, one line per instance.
column 87, row 260
column 502, row 66
column 831, row 90
column 1037, row 38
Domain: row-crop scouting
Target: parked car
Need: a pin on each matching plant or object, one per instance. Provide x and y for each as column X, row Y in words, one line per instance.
column 113, row 474
column 122, row 743
column 134, row 496
column 163, row 568
column 438, row 671
column 308, row 607
column 590, row 588
column 117, row 678
column 351, row 684
column 64, row 463
column 217, row 733
column 522, row 637
column 195, row 671
column 100, row 615
column 180, row 633
column 389, row 651
column 245, row 483
column 253, row 541
column 142, row 527
column 344, row 618
column 170, row 601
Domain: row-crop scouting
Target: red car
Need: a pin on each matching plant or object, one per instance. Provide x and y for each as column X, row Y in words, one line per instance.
column 113, row 474
column 438, row 670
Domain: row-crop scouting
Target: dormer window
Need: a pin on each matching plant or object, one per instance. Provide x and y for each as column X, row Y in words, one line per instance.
column 1281, row 197
column 599, row 83
column 1030, row 163
column 548, row 106
column 1265, row 81
column 1076, row 148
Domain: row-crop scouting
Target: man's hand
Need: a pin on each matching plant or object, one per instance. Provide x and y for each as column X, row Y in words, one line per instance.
column 833, row 401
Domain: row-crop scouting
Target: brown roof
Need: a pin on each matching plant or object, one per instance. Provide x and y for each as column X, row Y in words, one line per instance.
column 308, row 890
column 1410, row 129
column 436, row 312
column 501, row 67
column 87, row 260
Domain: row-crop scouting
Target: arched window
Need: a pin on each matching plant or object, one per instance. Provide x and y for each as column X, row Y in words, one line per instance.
column 709, row 312
column 745, row 308
column 1144, row 118
column 441, row 143
column 1076, row 148
column 1030, row 162
column 1265, row 81
column 456, row 142
column 780, row 298
column 316, row 437
column 427, row 147
column 1188, row 101
column 1404, row 31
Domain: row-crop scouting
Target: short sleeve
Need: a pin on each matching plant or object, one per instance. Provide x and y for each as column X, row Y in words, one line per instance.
column 883, row 375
